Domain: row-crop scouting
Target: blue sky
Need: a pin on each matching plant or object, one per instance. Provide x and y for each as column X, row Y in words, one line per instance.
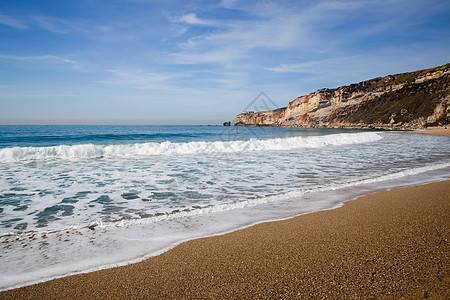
column 200, row 62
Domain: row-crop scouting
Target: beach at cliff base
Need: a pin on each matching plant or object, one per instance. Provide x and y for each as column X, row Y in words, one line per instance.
column 437, row 130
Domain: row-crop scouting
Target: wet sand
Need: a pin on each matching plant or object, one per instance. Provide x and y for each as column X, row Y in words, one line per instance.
column 388, row 244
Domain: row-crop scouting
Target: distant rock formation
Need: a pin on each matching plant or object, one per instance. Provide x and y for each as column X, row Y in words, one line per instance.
column 226, row 124
column 403, row 101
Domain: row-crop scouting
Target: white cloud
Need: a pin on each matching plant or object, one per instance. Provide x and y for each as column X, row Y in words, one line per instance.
column 192, row 19
column 228, row 3
column 8, row 21
column 66, row 26
column 52, row 24
column 195, row 85
column 137, row 79
column 48, row 57
column 339, row 5
column 56, row 25
column 222, row 56
column 297, row 30
column 236, row 41
column 295, row 68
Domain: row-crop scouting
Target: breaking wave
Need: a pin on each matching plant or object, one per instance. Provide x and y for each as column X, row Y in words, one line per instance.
column 90, row 151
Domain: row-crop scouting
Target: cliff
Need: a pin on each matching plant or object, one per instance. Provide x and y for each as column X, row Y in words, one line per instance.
column 408, row 100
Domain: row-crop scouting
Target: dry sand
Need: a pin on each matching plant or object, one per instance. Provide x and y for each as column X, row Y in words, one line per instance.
column 388, row 244
column 442, row 130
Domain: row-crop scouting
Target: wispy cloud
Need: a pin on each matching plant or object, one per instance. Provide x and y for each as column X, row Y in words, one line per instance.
column 236, row 41
column 53, row 24
column 57, row 25
column 192, row 19
column 65, row 26
column 13, row 93
column 269, row 26
column 308, row 67
column 135, row 78
column 297, row 29
column 188, row 82
column 11, row 22
column 339, row 5
column 51, row 58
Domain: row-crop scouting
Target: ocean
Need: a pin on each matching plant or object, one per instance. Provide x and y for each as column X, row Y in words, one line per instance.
column 75, row 199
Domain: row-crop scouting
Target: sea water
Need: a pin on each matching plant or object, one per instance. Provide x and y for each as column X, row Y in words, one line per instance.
column 81, row 198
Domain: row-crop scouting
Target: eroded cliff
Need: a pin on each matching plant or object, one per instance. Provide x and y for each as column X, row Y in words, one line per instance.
column 408, row 100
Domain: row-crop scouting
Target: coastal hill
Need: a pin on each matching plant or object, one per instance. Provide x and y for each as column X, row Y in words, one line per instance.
column 402, row 101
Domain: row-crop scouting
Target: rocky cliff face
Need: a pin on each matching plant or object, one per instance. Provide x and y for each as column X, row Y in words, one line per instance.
column 409, row 100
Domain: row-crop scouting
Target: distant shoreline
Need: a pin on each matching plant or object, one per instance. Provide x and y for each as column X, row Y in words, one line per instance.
column 438, row 130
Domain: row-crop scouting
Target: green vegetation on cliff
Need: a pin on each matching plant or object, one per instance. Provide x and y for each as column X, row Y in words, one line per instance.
column 412, row 101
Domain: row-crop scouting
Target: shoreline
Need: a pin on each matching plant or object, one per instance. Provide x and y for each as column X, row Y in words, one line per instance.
column 433, row 130
column 390, row 243
column 76, row 283
column 438, row 130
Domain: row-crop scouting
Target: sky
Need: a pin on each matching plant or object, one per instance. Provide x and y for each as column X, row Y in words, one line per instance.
column 200, row 62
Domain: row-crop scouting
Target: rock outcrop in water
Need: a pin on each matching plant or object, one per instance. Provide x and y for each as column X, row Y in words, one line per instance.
column 408, row 101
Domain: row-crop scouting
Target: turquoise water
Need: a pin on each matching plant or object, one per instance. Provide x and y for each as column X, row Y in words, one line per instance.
column 79, row 198
column 54, row 135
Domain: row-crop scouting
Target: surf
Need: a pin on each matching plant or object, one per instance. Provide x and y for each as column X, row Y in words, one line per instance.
column 92, row 151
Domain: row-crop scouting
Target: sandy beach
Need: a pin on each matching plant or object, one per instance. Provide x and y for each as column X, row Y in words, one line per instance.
column 438, row 130
column 391, row 244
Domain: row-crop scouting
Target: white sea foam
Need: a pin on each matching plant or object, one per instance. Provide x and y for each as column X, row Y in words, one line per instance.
column 85, row 250
column 270, row 199
column 89, row 151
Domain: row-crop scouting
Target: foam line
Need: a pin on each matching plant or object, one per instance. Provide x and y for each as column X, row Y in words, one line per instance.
column 91, row 151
